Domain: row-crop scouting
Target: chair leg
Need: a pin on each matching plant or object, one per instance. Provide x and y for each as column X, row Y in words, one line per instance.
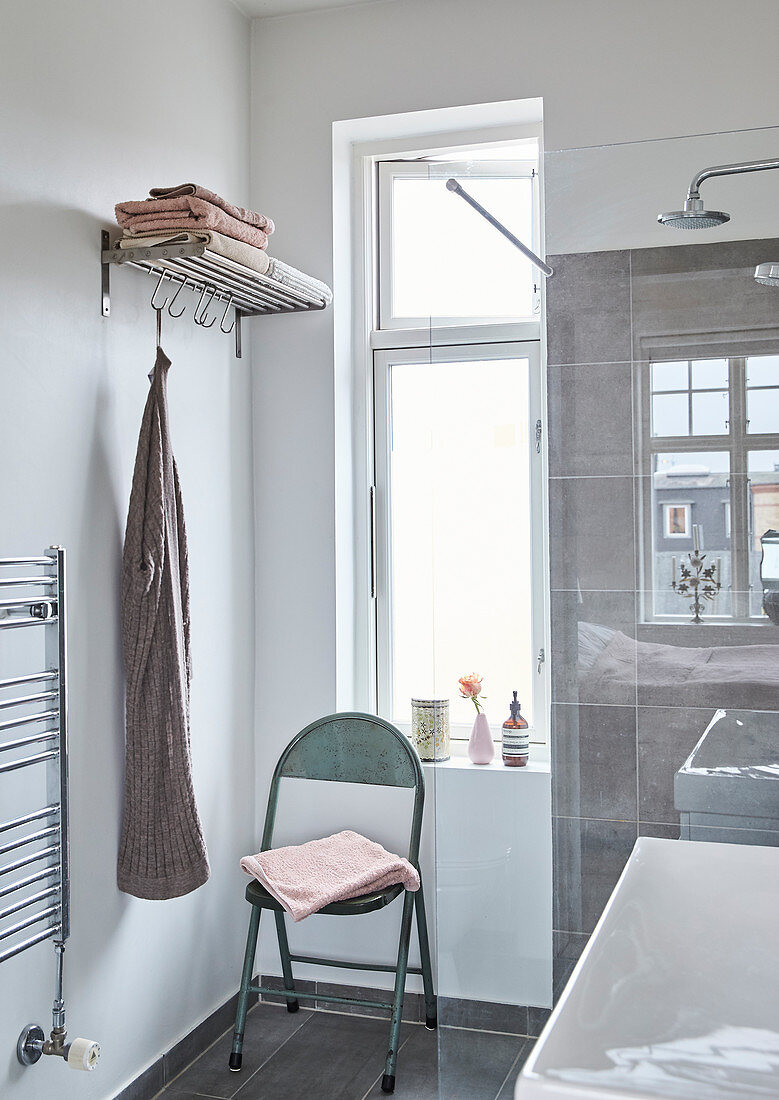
column 286, row 963
column 431, row 1011
column 236, row 1057
column 388, row 1080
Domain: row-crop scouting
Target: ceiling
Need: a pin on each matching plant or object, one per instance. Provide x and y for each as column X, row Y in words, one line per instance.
column 259, row 8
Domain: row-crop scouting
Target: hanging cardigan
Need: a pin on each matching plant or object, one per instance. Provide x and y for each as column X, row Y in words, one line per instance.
column 162, row 852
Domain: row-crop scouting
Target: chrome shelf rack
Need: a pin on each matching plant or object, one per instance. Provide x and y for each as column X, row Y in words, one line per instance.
column 216, row 278
column 34, row 863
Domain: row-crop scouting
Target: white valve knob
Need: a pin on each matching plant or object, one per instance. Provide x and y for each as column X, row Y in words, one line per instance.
column 83, row 1054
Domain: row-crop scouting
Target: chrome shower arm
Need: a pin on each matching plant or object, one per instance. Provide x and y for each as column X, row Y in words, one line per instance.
column 728, row 170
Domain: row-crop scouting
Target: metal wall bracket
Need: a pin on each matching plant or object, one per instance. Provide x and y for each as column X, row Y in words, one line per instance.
column 105, row 277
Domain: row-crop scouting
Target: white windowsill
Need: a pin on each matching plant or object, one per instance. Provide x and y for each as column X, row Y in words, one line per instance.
column 538, row 762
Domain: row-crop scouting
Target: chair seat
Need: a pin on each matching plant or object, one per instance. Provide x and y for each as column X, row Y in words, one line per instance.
column 256, row 894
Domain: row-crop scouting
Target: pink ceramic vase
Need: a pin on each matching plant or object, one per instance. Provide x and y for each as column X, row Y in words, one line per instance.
column 481, row 749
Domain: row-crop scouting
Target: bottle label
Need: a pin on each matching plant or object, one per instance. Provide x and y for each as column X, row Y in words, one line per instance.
column 516, row 742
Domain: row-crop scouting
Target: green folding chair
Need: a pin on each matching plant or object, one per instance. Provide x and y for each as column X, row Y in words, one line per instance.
column 346, row 748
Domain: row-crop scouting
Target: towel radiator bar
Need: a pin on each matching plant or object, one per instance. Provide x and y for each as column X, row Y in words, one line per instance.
column 34, row 715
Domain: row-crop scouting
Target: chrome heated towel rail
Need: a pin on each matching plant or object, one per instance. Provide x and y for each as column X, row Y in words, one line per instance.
column 34, row 853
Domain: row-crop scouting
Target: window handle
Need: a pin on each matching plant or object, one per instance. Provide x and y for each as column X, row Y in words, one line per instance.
column 541, row 659
column 538, row 436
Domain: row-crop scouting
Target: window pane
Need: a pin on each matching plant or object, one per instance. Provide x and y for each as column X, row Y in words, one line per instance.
column 670, row 414
column 709, row 374
column 763, row 370
column 447, row 261
column 460, row 540
column 763, row 411
column 690, row 490
column 710, row 412
column 763, row 469
column 670, row 376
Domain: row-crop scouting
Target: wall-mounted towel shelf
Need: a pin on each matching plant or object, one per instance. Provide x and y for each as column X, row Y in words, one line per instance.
column 220, row 282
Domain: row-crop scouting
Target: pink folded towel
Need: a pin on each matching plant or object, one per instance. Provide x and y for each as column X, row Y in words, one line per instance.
column 186, row 212
column 251, row 217
column 306, row 877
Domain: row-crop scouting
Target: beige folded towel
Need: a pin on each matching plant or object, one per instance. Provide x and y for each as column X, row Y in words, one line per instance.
column 245, row 254
column 242, row 215
column 185, row 212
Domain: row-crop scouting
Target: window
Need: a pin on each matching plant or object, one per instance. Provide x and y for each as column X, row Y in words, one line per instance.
column 457, row 435
column 711, row 447
column 677, row 521
column 439, row 260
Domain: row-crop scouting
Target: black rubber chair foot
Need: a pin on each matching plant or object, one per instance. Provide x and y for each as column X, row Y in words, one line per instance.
column 235, row 1062
column 388, row 1082
column 292, row 1006
column 431, row 1022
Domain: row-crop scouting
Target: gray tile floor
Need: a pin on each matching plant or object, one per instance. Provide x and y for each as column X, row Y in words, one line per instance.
column 329, row 1056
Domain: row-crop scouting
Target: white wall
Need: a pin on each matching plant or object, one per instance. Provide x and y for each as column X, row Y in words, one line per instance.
column 97, row 108
column 608, row 71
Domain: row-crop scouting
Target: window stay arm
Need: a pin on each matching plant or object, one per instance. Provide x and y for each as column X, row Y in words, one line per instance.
column 454, row 186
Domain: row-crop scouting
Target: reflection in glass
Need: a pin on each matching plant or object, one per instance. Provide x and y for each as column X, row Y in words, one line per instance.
column 690, row 490
column 690, row 398
column 460, row 539
column 710, row 413
column 670, row 414
column 762, row 394
column 709, row 374
column 763, row 469
column 433, row 237
column 670, row 376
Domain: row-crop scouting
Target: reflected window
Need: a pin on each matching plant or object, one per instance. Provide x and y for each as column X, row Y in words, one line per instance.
column 690, row 397
column 711, row 442
column 677, row 521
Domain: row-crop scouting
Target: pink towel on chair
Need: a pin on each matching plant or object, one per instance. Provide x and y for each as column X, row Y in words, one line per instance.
column 186, row 212
column 306, row 877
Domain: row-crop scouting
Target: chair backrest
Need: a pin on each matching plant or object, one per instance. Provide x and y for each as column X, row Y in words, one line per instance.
column 351, row 748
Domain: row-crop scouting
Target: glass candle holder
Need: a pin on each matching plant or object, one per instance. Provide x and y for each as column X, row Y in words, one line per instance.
column 430, row 728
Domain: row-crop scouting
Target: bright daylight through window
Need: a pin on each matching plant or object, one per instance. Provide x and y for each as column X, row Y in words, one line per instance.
column 458, row 462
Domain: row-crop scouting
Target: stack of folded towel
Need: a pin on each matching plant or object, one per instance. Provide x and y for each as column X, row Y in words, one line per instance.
column 306, row 877
column 189, row 212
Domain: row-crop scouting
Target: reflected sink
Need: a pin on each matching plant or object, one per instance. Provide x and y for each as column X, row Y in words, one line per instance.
column 728, row 788
column 677, row 991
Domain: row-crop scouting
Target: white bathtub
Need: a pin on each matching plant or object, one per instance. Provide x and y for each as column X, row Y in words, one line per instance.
column 677, row 992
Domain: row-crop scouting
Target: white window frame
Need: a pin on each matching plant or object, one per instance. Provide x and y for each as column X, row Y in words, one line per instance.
column 395, row 339
column 737, row 444
column 669, row 534
column 383, row 361
column 390, row 170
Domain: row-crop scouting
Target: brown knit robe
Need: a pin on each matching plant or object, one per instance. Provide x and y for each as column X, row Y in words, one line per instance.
column 162, row 852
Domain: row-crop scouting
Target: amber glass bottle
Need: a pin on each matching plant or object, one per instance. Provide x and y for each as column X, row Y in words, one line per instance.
column 516, row 738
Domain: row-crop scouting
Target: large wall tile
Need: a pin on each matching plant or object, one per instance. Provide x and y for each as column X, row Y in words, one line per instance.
column 591, row 533
column 582, row 623
column 589, row 857
column 594, row 761
column 590, row 420
column 666, row 737
column 588, row 308
column 702, row 296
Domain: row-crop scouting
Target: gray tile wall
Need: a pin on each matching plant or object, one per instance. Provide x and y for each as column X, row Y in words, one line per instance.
column 616, row 747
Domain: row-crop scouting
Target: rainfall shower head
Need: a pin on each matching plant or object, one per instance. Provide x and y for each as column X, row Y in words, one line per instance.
column 693, row 216
column 767, row 274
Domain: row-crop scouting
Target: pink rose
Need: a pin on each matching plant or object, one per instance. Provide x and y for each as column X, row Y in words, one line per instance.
column 470, row 688
column 470, row 685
